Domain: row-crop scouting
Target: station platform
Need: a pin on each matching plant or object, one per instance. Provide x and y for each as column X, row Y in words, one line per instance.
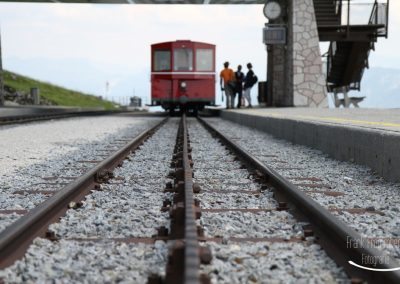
column 369, row 137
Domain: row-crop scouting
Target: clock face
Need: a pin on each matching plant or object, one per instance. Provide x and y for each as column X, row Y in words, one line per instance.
column 272, row 10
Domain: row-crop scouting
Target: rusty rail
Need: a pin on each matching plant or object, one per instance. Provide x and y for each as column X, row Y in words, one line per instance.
column 341, row 242
column 186, row 255
column 15, row 239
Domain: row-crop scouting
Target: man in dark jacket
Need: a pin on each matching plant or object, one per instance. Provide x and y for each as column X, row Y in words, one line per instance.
column 239, row 84
column 248, row 83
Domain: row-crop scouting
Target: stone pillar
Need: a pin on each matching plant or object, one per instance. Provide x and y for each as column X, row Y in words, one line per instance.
column 295, row 70
column 281, row 98
column 277, row 68
column 307, row 81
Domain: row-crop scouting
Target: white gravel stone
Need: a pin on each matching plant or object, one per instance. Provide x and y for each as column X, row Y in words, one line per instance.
column 275, row 224
column 25, row 145
column 213, row 199
column 20, row 202
column 87, row 262
column 271, row 263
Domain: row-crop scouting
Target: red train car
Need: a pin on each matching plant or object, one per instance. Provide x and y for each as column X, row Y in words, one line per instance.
column 182, row 75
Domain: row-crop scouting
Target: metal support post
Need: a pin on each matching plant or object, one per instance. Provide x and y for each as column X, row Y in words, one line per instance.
column 387, row 19
column 346, row 98
column 348, row 18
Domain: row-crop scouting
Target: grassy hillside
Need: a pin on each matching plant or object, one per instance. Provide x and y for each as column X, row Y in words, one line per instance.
column 55, row 94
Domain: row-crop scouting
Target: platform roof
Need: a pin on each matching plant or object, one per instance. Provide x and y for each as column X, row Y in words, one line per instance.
column 147, row 1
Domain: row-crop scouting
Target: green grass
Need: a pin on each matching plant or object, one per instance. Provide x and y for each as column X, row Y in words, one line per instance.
column 55, row 94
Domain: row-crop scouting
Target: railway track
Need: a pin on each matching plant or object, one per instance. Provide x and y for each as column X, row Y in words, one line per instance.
column 352, row 193
column 232, row 219
column 15, row 239
column 333, row 235
column 42, row 116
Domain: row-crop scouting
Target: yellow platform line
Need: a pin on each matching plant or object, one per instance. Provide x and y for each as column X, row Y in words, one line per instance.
column 338, row 119
column 375, row 123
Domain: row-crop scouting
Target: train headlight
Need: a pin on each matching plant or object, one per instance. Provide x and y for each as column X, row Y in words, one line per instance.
column 183, row 85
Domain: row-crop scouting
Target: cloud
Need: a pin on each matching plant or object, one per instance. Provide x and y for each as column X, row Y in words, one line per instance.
column 112, row 42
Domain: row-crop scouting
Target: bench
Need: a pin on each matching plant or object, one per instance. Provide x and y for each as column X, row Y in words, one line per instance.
column 347, row 101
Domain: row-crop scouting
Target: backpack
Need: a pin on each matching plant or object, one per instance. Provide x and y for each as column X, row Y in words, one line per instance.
column 254, row 80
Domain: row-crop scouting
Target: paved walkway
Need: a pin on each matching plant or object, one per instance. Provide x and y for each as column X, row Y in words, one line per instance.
column 383, row 119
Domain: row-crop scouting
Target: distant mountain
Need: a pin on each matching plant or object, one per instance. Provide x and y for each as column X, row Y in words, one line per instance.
column 381, row 87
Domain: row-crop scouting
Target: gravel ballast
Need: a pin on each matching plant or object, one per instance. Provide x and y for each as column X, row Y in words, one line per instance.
column 128, row 206
column 125, row 208
column 46, row 155
column 227, row 185
column 87, row 262
column 95, row 240
column 358, row 185
column 22, row 146
column 271, row 263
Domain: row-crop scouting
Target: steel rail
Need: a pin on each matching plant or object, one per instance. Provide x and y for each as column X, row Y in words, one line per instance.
column 15, row 239
column 341, row 242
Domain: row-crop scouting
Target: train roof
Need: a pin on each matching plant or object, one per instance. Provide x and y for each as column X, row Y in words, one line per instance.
column 177, row 42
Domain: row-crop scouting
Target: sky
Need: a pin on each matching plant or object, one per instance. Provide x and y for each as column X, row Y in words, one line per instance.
column 84, row 46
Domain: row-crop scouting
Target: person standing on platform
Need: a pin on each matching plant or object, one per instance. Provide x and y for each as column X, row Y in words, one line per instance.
column 239, row 76
column 227, row 82
column 249, row 82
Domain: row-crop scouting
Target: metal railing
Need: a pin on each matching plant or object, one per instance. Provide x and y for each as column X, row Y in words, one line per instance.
column 353, row 12
column 338, row 7
column 380, row 16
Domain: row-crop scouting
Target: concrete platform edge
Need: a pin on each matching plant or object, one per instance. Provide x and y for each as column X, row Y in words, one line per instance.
column 378, row 150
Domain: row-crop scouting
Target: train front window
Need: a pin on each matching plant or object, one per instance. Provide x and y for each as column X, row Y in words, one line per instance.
column 183, row 59
column 162, row 61
column 204, row 60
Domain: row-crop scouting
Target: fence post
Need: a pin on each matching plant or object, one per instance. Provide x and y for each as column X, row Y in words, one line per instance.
column 348, row 18
column 35, row 95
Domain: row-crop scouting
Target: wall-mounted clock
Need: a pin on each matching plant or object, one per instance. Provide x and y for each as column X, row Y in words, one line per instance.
column 272, row 10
